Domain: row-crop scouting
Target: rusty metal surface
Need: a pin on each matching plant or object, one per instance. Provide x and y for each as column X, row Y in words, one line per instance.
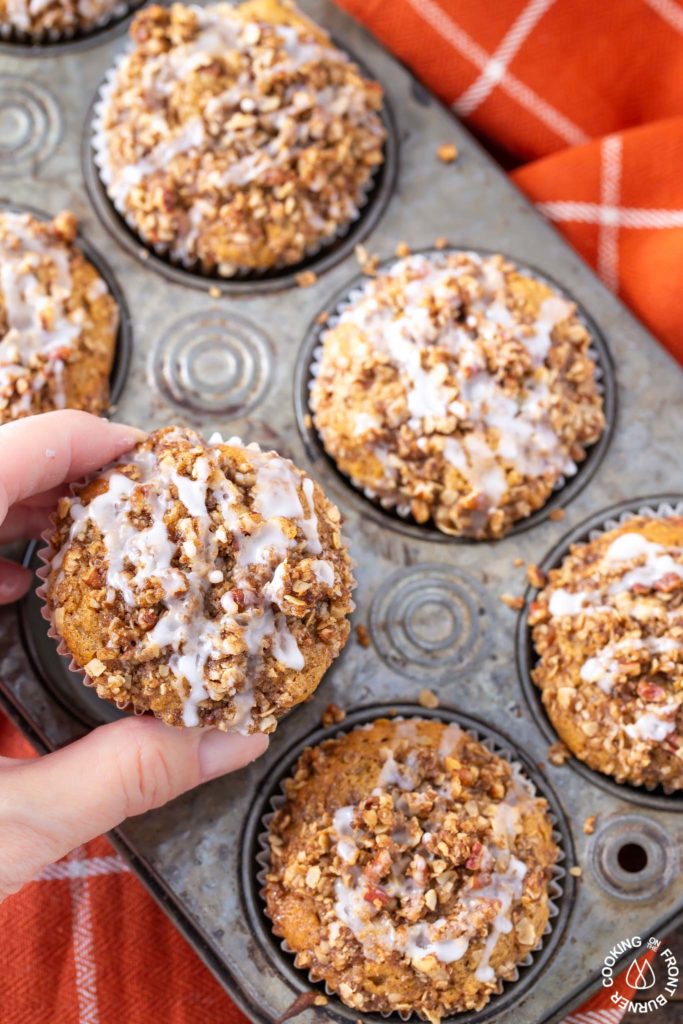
column 431, row 606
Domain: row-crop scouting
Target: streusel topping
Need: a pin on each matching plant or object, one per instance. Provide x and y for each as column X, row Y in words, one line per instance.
column 422, row 874
column 457, row 389
column 238, row 137
column 609, row 632
column 220, row 574
column 55, row 313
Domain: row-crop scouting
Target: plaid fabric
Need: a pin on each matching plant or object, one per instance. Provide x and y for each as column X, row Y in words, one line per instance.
column 584, row 101
column 587, row 97
column 85, row 944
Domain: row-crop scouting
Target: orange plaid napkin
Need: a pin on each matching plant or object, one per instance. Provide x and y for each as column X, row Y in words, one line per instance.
column 587, row 97
column 585, row 100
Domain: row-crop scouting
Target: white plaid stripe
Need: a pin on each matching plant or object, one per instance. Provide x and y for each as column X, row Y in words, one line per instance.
column 669, row 11
column 84, row 953
column 504, row 53
column 623, row 216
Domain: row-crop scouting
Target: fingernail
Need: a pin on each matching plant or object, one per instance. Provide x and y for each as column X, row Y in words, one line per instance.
column 221, row 752
column 128, row 436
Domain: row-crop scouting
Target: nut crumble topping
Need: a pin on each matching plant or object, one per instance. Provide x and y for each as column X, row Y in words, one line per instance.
column 409, row 868
column 58, row 322
column 207, row 582
column 237, row 137
column 608, row 629
column 457, row 390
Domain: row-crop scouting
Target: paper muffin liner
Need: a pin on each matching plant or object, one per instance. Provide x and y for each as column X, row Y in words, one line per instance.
column 555, row 887
column 100, row 155
column 46, row 555
column 661, row 510
column 393, row 503
column 11, row 34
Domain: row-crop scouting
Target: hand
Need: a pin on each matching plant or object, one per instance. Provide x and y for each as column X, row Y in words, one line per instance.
column 50, row 805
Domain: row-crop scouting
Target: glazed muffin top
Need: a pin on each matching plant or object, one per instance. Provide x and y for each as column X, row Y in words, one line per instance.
column 58, row 322
column 608, row 628
column 208, row 583
column 237, row 137
column 53, row 18
column 409, row 868
column 459, row 389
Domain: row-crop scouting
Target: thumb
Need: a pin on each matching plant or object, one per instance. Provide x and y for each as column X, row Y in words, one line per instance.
column 52, row 804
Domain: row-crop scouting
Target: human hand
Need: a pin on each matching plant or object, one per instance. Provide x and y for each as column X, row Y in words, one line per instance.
column 50, row 805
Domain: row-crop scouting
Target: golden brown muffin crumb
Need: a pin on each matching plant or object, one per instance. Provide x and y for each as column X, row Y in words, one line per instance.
column 206, row 582
column 458, row 390
column 409, row 868
column 608, row 629
column 58, row 322
column 237, row 137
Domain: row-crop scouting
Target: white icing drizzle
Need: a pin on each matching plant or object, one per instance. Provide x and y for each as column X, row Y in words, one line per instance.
column 525, row 438
column 604, row 667
column 630, row 565
column 653, row 724
column 447, row 940
column 38, row 321
column 137, row 554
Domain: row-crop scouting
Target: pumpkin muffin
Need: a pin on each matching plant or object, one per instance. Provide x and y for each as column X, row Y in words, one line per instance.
column 457, row 389
column 208, row 583
column 56, row 18
column 58, row 322
column 608, row 630
column 237, row 137
column 409, row 868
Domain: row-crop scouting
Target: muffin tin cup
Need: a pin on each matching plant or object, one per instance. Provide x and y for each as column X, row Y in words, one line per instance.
column 15, row 40
column 124, row 337
column 391, row 511
column 657, row 797
column 319, row 255
column 256, row 862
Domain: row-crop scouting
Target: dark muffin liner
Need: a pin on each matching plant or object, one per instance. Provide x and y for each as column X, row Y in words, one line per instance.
column 321, row 255
column 658, row 506
column 256, row 862
column 392, row 512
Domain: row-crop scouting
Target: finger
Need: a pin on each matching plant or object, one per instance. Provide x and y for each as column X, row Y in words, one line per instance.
column 50, row 805
column 15, row 580
column 40, row 452
column 45, row 499
column 22, row 523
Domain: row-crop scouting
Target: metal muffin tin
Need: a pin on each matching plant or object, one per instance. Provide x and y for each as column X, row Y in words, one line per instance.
column 431, row 605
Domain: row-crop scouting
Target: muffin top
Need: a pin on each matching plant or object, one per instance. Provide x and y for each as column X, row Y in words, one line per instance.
column 58, row 322
column 409, row 868
column 208, row 583
column 608, row 629
column 237, row 137
column 55, row 17
column 459, row 390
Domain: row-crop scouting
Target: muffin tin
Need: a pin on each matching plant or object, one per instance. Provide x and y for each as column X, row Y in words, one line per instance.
column 431, row 606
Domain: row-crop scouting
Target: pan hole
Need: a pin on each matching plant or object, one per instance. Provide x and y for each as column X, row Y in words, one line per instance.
column 632, row 857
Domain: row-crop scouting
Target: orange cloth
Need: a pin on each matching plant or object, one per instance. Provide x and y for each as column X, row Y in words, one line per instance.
column 588, row 97
column 585, row 100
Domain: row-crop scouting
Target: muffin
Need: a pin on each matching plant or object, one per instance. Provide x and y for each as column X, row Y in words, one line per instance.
column 608, row 631
column 208, row 583
column 58, row 322
column 56, row 17
column 237, row 138
column 457, row 389
column 409, row 868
